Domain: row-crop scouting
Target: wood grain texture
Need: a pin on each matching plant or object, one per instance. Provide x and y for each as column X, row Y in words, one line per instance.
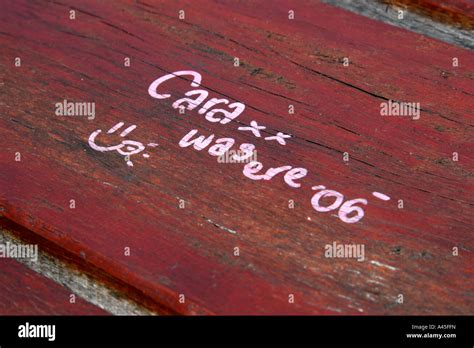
column 82, row 280
column 24, row 292
column 425, row 24
column 454, row 12
column 337, row 109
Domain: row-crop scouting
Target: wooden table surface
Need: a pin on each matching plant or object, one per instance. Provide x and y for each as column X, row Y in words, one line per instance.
column 191, row 235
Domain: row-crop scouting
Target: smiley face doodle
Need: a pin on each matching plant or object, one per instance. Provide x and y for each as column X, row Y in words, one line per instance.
column 126, row 148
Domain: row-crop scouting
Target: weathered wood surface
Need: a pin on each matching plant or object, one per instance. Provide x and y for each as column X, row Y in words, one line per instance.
column 420, row 17
column 454, row 12
column 73, row 275
column 24, row 292
column 190, row 251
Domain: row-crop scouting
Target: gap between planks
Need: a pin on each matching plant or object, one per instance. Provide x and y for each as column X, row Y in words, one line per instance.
column 79, row 283
column 411, row 21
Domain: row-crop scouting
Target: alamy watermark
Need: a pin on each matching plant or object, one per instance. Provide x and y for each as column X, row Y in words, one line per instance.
column 394, row 108
column 68, row 108
column 335, row 250
column 19, row 251
column 244, row 155
column 28, row 330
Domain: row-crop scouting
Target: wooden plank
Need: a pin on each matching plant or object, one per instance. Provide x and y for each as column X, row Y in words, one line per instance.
column 189, row 249
column 25, row 292
column 454, row 12
column 404, row 16
column 73, row 274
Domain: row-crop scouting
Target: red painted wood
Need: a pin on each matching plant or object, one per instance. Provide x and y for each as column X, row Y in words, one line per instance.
column 25, row 292
column 337, row 109
column 454, row 12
